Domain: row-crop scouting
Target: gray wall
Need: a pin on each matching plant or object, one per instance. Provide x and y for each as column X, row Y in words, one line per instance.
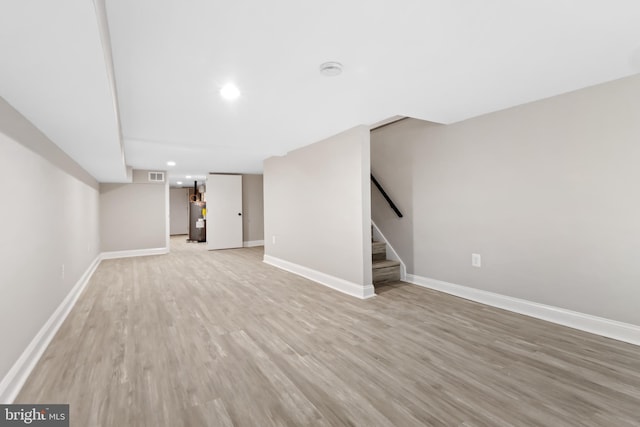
column 133, row 216
column 317, row 205
column 49, row 217
column 179, row 211
column 391, row 160
column 252, row 208
column 546, row 192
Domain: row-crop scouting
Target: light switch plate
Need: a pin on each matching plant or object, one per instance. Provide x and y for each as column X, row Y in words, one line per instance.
column 476, row 260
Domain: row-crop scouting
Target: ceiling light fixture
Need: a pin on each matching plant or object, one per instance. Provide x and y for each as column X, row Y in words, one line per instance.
column 179, row 182
column 331, row 69
column 171, row 163
column 230, row 92
column 188, row 176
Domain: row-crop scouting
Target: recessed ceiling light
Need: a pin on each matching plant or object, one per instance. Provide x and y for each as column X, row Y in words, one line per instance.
column 171, row 163
column 331, row 68
column 188, row 176
column 179, row 183
column 230, row 92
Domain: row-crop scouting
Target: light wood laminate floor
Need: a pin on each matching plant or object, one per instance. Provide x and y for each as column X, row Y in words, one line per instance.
column 199, row 338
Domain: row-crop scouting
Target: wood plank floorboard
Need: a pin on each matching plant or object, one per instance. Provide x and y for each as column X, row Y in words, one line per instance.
column 200, row 338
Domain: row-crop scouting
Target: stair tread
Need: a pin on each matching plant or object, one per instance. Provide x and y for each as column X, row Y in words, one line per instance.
column 385, row 263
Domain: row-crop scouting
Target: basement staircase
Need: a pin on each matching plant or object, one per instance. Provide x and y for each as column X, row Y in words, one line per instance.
column 384, row 270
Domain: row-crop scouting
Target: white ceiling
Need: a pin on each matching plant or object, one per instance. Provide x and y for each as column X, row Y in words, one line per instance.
column 441, row 61
column 53, row 70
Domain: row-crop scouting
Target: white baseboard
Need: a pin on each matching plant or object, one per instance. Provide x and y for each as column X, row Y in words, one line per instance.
column 134, row 253
column 585, row 322
column 252, row 243
column 14, row 380
column 332, row 282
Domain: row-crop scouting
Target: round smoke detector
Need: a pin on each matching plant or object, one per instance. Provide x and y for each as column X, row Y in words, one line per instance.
column 331, row 69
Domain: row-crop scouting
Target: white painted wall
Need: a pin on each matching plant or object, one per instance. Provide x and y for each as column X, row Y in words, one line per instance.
column 547, row 194
column 317, row 210
column 134, row 216
column 391, row 164
column 179, row 211
column 252, row 208
column 49, row 218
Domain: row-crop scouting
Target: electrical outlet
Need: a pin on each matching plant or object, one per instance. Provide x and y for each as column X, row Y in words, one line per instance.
column 476, row 260
column 273, row 239
column 62, row 271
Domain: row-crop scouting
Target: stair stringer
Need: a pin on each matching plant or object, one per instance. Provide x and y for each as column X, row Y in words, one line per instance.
column 391, row 253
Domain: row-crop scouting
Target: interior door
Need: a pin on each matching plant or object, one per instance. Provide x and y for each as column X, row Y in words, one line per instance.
column 224, row 211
